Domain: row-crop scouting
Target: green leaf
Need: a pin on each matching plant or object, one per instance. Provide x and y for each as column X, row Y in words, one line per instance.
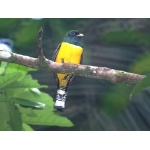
column 29, row 95
column 13, row 68
column 9, row 79
column 20, row 88
column 40, row 117
column 45, row 117
column 116, row 99
column 15, row 117
column 35, row 91
column 29, row 103
column 25, row 81
column 4, row 116
column 3, row 66
column 26, row 127
column 10, row 118
column 140, row 86
column 28, row 82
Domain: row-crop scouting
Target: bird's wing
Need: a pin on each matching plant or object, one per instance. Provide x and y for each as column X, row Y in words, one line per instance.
column 54, row 58
column 56, row 52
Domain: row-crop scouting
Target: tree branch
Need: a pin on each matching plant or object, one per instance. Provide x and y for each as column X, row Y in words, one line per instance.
column 41, row 63
column 114, row 76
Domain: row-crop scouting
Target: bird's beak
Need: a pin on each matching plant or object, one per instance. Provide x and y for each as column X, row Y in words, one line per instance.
column 80, row 35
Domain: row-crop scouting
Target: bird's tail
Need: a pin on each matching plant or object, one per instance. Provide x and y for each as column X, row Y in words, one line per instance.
column 60, row 99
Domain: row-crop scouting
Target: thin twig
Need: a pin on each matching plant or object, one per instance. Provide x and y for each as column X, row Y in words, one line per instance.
column 40, row 49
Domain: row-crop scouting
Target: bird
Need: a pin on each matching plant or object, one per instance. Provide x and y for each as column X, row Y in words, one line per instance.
column 70, row 50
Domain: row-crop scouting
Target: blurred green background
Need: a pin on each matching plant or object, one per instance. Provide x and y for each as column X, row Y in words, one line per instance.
column 92, row 104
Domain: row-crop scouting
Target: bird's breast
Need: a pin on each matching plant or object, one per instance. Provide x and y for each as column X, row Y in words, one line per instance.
column 69, row 53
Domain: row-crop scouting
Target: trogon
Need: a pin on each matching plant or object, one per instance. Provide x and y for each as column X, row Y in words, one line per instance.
column 69, row 51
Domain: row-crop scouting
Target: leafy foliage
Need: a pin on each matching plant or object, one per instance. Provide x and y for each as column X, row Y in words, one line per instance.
column 141, row 65
column 117, row 99
column 22, row 103
column 126, row 37
column 142, row 85
column 120, row 95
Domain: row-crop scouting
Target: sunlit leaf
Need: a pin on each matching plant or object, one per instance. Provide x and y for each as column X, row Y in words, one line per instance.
column 26, row 127
column 3, row 67
column 35, row 91
column 29, row 103
column 29, row 95
column 25, row 81
column 45, row 117
column 13, row 68
column 8, row 79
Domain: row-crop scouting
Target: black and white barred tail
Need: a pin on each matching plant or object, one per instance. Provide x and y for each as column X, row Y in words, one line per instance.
column 60, row 99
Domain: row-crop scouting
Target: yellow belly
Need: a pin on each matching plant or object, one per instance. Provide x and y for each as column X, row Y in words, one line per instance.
column 68, row 53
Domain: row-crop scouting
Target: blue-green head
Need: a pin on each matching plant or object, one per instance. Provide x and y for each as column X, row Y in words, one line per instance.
column 74, row 37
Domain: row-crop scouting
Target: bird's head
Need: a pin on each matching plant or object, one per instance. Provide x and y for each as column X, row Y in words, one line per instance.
column 74, row 37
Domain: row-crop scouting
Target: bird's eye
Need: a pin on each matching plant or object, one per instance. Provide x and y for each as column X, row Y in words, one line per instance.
column 72, row 33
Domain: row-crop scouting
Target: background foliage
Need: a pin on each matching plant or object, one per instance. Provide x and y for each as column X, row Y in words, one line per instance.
column 91, row 104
